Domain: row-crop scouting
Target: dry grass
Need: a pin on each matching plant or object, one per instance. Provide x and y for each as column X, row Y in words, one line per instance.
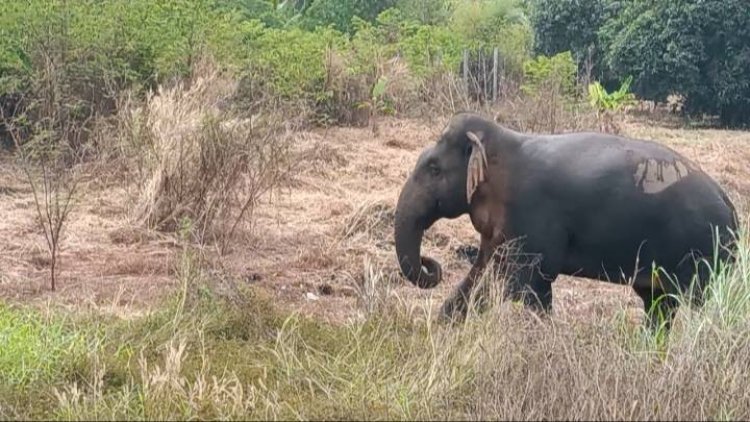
column 201, row 165
column 509, row 365
column 371, row 220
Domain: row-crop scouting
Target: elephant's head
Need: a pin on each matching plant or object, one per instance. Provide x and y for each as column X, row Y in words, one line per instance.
column 440, row 186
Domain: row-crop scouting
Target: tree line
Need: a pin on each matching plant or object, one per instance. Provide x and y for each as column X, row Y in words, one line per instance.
column 699, row 49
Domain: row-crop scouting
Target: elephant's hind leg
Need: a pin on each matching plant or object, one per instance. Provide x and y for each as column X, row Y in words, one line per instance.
column 532, row 288
column 660, row 308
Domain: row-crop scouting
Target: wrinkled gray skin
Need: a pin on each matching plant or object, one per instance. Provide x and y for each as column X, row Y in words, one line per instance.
column 592, row 205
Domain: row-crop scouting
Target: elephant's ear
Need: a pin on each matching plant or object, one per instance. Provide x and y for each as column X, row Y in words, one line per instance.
column 477, row 164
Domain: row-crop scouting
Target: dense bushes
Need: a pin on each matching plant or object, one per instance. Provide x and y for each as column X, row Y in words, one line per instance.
column 141, row 40
column 698, row 49
column 67, row 61
column 340, row 13
column 285, row 48
column 331, row 56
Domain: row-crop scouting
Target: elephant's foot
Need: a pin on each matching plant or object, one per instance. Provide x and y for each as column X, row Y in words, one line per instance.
column 453, row 310
column 456, row 308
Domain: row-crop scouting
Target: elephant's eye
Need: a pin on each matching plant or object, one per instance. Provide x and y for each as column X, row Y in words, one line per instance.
column 434, row 169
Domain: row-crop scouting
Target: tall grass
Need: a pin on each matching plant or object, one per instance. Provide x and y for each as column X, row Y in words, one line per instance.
column 227, row 353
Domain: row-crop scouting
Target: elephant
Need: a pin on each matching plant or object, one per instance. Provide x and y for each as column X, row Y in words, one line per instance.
column 594, row 205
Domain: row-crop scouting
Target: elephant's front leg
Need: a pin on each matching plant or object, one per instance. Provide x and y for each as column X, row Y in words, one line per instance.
column 455, row 308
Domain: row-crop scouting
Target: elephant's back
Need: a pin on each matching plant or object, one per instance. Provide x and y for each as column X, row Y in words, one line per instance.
column 610, row 190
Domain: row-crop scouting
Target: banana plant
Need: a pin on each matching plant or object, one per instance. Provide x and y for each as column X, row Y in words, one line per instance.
column 604, row 101
column 377, row 101
column 607, row 104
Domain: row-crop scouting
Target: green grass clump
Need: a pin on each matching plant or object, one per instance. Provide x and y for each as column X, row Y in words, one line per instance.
column 35, row 347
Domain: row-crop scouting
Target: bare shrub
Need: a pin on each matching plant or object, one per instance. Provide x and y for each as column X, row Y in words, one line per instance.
column 201, row 161
column 549, row 108
column 545, row 114
column 54, row 188
column 548, row 112
column 444, row 93
column 402, row 86
column 675, row 103
column 48, row 142
column 54, row 185
column 394, row 91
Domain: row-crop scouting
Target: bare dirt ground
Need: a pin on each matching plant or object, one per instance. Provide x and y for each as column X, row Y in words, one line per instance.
column 313, row 241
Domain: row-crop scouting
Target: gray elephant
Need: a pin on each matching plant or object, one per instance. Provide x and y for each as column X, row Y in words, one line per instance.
column 592, row 205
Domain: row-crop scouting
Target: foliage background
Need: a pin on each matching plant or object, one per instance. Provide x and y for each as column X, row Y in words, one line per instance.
column 78, row 56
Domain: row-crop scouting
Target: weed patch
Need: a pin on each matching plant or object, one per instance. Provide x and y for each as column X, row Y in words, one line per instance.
column 36, row 348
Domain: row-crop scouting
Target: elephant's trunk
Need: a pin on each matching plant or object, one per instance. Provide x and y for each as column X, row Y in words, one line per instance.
column 410, row 225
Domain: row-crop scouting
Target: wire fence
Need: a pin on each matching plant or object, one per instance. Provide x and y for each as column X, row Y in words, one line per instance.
column 485, row 75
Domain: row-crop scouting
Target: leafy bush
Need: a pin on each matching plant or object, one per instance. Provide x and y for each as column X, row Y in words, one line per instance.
column 432, row 49
column 290, row 63
column 487, row 24
column 139, row 40
column 556, row 73
column 68, row 60
column 292, row 50
column 262, row 10
column 549, row 100
column 427, row 12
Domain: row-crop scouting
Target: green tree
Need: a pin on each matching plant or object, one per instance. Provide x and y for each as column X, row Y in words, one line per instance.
column 427, row 12
column 571, row 25
column 495, row 23
column 698, row 48
column 266, row 11
column 340, row 13
column 484, row 21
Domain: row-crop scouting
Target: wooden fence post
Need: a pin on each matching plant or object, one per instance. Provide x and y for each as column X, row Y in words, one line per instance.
column 466, row 69
column 494, row 74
